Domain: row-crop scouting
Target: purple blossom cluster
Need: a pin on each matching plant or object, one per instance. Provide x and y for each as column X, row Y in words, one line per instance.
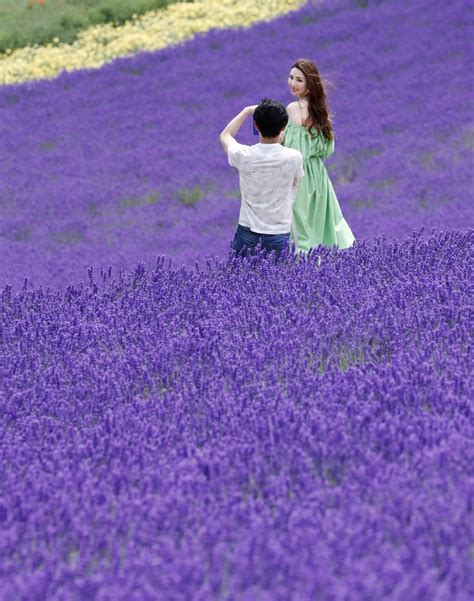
column 120, row 165
column 243, row 430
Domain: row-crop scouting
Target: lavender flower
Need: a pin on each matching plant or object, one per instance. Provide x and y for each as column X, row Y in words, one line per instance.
column 244, row 430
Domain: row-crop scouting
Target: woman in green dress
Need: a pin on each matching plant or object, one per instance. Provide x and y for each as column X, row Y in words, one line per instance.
column 317, row 216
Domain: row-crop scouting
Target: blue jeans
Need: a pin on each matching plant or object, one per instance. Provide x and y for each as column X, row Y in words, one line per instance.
column 245, row 238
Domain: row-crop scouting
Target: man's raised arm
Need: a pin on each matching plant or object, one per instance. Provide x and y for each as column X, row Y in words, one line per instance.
column 230, row 130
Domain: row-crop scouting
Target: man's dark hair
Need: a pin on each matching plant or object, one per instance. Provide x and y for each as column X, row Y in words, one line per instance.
column 270, row 117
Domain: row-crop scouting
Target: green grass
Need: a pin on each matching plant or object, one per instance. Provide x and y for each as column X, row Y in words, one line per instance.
column 68, row 237
column 190, row 196
column 131, row 202
column 21, row 26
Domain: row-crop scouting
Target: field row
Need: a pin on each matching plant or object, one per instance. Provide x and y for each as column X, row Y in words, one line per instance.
column 28, row 22
column 153, row 30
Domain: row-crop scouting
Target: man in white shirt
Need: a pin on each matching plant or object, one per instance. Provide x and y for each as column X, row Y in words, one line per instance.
column 269, row 176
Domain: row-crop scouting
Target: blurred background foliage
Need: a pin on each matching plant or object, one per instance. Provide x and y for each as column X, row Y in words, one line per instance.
column 28, row 22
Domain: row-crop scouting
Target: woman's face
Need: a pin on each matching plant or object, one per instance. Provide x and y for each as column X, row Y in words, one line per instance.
column 297, row 82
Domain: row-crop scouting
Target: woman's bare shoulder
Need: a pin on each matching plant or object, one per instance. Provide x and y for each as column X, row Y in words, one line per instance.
column 294, row 112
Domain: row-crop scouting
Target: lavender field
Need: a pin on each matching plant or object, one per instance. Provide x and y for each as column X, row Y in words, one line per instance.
column 116, row 166
column 245, row 431
column 178, row 427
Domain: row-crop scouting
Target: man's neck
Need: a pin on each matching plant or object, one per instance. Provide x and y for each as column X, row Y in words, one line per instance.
column 275, row 140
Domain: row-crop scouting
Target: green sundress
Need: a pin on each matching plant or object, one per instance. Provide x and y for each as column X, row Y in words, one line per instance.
column 317, row 215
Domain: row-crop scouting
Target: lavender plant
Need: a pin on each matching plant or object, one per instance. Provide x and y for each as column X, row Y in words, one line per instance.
column 243, row 430
column 117, row 166
column 239, row 430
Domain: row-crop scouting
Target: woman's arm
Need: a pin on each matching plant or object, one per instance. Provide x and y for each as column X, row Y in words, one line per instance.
column 230, row 130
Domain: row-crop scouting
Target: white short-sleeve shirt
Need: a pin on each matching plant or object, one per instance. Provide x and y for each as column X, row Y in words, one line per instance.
column 266, row 174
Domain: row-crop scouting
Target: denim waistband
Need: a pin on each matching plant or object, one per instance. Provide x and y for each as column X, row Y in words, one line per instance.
column 247, row 229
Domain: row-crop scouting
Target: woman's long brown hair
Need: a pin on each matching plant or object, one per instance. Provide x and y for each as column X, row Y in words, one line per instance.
column 318, row 108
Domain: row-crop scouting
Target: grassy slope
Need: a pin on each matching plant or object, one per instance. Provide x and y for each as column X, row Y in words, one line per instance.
column 20, row 26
